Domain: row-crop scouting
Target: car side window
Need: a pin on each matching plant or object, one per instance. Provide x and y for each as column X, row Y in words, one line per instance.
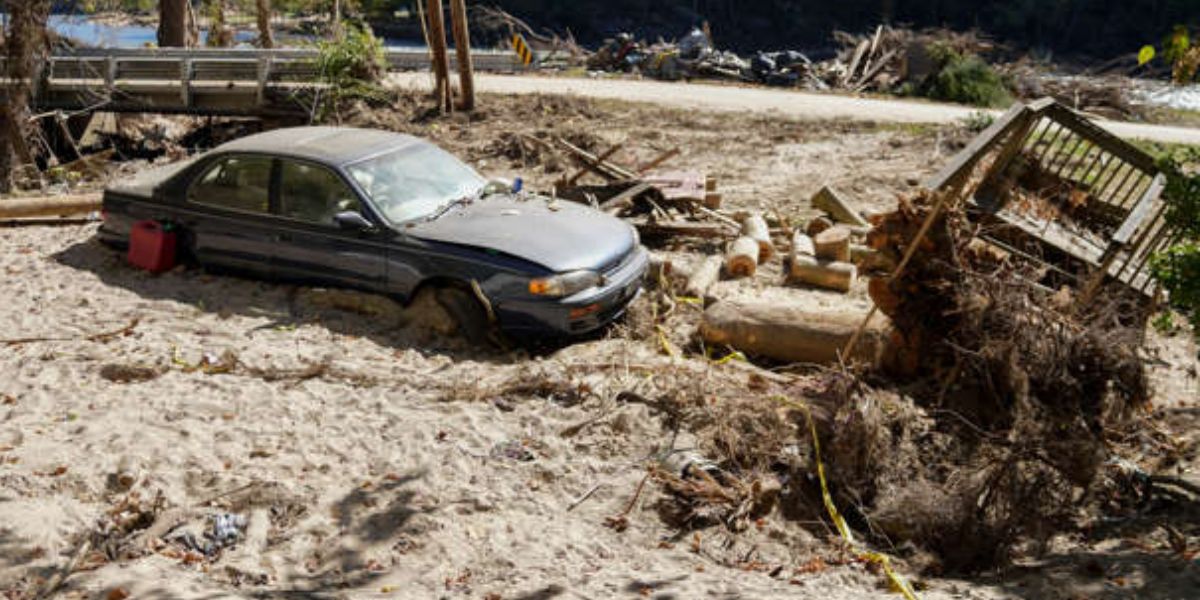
column 238, row 183
column 314, row 194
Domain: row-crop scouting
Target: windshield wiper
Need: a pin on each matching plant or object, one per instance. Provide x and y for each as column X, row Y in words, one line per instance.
column 445, row 208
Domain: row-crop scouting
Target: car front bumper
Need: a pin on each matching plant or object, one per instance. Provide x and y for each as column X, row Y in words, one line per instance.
column 582, row 313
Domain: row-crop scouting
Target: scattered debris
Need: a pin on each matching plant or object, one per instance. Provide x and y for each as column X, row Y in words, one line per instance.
column 514, row 450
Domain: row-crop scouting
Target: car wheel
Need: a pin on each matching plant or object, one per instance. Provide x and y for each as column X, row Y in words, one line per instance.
column 470, row 318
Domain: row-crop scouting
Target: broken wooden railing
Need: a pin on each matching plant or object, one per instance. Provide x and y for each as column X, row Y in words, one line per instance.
column 1109, row 217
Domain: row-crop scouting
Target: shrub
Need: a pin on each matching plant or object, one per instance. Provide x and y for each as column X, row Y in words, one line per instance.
column 967, row 80
column 353, row 63
column 1178, row 267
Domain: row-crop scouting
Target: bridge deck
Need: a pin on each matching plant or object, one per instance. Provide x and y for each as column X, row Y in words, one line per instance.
column 204, row 81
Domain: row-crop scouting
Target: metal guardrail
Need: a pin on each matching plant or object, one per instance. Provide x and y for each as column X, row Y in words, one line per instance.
column 211, row 81
column 398, row 59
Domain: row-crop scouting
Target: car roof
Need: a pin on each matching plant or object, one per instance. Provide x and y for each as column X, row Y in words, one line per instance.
column 330, row 145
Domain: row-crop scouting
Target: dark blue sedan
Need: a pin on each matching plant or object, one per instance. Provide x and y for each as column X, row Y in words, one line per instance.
column 395, row 215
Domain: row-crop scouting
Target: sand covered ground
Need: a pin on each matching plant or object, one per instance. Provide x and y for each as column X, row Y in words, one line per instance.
column 359, row 455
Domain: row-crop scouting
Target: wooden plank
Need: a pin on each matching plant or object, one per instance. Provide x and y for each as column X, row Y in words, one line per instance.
column 1138, row 215
column 625, row 198
column 683, row 229
column 575, row 177
column 965, row 160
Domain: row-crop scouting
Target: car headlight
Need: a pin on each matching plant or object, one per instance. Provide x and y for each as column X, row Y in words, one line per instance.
column 565, row 284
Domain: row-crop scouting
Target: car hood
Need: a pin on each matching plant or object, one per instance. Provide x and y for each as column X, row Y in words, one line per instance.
column 559, row 235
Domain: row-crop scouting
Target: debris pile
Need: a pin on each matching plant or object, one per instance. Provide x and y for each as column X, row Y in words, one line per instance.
column 881, row 61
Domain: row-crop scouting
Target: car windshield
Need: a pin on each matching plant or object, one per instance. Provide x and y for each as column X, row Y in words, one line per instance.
column 415, row 181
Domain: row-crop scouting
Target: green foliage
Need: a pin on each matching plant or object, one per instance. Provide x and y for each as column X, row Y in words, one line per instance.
column 1180, row 51
column 353, row 63
column 354, row 57
column 1178, row 268
column 977, row 121
column 966, row 80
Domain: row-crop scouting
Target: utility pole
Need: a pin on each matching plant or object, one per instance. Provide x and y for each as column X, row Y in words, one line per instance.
column 441, row 62
column 462, row 45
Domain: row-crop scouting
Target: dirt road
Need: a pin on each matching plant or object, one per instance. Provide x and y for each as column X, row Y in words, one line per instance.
column 792, row 104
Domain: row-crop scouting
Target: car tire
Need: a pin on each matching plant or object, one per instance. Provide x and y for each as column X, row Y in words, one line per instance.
column 470, row 317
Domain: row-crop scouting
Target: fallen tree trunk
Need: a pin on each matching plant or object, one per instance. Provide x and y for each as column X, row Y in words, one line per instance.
column 48, row 206
column 704, row 277
column 793, row 335
column 742, row 258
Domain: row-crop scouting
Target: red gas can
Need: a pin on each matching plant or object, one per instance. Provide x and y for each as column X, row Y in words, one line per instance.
column 151, row 246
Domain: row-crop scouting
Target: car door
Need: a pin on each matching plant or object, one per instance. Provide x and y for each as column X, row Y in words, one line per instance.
column 226, row 216
column 310, row 246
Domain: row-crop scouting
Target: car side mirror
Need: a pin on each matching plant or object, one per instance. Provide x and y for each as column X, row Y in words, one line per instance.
column 352, row 220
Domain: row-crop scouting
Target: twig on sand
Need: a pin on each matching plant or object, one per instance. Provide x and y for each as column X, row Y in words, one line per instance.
column 61, row 575
column 621, row 521
column 584, row 497
column 96, row 337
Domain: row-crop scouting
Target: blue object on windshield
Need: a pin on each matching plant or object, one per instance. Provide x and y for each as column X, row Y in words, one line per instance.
column 518, row 185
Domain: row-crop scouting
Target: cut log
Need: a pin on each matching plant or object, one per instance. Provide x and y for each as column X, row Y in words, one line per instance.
column 817, row 225
column 742, row 258
column 829, row 201
column 704, row 277
column 754, row 226
column 830, row 275
column 793, row 335
column 49, row 206
column 712, row 200
column 802, row 245
column 833, row 244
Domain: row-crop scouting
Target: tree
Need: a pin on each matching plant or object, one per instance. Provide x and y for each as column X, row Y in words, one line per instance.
column 265, row 39
column 177, row 24
column 24, row 46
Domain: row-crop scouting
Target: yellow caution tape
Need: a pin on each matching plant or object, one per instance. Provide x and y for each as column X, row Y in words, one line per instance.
column 667, row 347
column 732, row 356
column 899, row 584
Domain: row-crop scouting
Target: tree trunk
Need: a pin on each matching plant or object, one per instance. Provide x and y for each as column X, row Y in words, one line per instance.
column 462, row 45
column 441, row 62
column 176, row 24
column 24, row 44
column 50, row 206
column 265, row 38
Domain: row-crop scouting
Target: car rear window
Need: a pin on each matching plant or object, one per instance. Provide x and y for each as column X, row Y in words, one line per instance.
column 241, row 183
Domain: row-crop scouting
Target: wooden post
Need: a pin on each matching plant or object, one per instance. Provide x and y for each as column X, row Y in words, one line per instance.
column 441, row 62
column 462, row 46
